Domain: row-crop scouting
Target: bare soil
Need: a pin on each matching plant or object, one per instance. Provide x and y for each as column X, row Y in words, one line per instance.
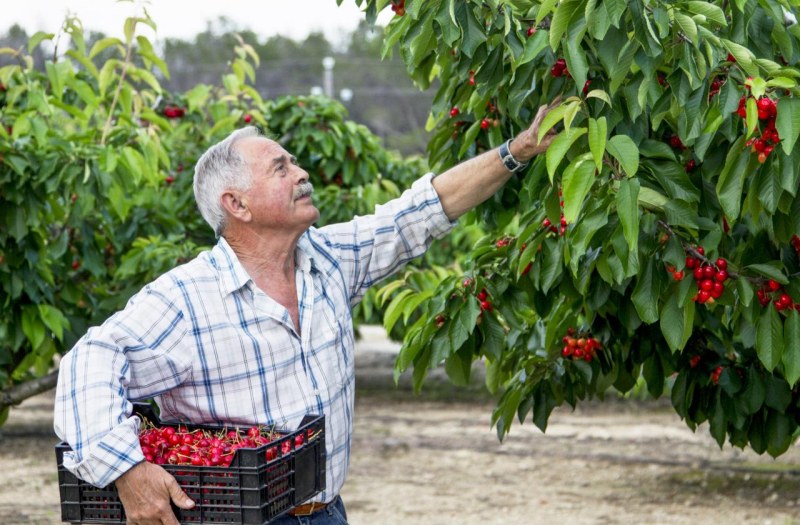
column 438, row 462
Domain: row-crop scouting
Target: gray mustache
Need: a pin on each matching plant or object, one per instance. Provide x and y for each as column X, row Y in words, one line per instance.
column 303, row 190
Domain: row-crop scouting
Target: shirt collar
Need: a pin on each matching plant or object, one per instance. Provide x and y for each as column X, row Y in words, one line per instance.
column 233, row 275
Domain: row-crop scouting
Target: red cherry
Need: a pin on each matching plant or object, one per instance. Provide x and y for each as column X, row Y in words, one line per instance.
column 248, row 118
column 486, row 306
column 709, row 272
column 482, row 295
column 774, row 285
column 76, row 265
column 700, row 250
column 531, row 31
column 454, row 112
column 691, row 263
column 484, row 124
column 706, row 285
column 721, row 263
column 678, row 276
column 721, row 276
column 169, row 179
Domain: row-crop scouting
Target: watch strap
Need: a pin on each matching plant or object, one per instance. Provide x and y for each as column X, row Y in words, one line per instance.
column 509, row 161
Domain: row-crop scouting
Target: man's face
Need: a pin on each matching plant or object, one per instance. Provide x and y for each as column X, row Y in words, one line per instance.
column 279, row 196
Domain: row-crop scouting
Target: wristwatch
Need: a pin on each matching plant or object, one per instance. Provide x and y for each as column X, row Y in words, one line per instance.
column 511, row 164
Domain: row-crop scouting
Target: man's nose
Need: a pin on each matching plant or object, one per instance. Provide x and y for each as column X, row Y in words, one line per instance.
column 302, row 175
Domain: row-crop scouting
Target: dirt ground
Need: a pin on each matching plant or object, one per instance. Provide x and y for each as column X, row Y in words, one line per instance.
column 437, row 462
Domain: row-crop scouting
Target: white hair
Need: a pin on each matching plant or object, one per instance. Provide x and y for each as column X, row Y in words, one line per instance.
column 222, row 167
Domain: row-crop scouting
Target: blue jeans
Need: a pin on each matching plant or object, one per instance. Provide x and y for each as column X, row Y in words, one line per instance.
column 333, row 514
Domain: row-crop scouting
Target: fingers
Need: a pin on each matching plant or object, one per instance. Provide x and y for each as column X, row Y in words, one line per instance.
column 178, row 496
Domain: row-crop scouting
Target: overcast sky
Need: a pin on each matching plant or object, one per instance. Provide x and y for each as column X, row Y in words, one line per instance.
column 184, row 18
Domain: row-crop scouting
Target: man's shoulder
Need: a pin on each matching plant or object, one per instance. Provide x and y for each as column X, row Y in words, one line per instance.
column 191, row 273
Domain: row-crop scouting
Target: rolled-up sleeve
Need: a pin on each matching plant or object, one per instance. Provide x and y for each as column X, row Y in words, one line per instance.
column 136, row 354
column 372, row 247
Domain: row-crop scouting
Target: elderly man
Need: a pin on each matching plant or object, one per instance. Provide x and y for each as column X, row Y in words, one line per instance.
column 258, row 329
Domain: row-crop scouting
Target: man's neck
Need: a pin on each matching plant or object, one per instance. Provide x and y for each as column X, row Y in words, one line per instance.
column 264, row 255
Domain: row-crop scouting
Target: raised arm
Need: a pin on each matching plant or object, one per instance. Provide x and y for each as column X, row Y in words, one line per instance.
column 471, row 182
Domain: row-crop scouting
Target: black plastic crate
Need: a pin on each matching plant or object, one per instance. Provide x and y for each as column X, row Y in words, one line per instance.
column 252, row 490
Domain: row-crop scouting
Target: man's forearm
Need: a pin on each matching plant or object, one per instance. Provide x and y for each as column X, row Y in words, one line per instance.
column 469, row 183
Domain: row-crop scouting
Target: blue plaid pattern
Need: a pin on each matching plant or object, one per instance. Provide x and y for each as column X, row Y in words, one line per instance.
column 211, row 348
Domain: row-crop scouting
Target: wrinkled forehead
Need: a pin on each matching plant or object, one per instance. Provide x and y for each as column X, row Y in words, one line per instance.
column 259, row 150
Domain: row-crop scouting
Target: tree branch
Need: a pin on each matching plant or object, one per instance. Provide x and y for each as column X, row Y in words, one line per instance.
column 19, row 393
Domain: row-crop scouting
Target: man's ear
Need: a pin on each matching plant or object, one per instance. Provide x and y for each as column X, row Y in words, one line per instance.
column 234, row 204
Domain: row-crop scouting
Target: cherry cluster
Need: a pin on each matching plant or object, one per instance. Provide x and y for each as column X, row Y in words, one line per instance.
column 716, row 84
column 715, row 375
column 483, row 297
column 767, row 113
column 172, row 112
column 399, row 7
column 773, row 292
column 180, row 446
column 559, row 69
column 710, row 278
column 580, row 346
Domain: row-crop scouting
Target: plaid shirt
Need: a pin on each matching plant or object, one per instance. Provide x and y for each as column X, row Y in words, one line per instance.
column 211, row 348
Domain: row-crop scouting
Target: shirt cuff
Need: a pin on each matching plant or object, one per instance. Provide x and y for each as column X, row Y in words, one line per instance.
column 109, row 458
column 438, row 223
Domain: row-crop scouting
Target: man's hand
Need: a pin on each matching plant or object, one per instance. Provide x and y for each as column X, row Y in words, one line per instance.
column 526, row 146
column 146, row 491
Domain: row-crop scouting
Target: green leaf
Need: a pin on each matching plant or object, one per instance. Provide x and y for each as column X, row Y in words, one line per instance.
column 462, row 324
column 687, row 26
column 533, row 46
column 103, row 44
column 53, row 319
column 769, row 338
column 791, row 354
column 565, row 12
column 622, row 148
column 645, row 295
column 599, row 93
column 628, row 211
column 576, row 183
column 598, row 131
column 551, row 119
column 458, row 367
column 788, row 122
column 731, row 180
column 677, row 322
column 395, row 309
column 32, row 326
column 623, row 65
column 559, row 147
column 708, row 10
column 754, row 392
column 652, row 199
column 780, row 433
column 37, row 38
column 744, row 57
column 768, row 271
